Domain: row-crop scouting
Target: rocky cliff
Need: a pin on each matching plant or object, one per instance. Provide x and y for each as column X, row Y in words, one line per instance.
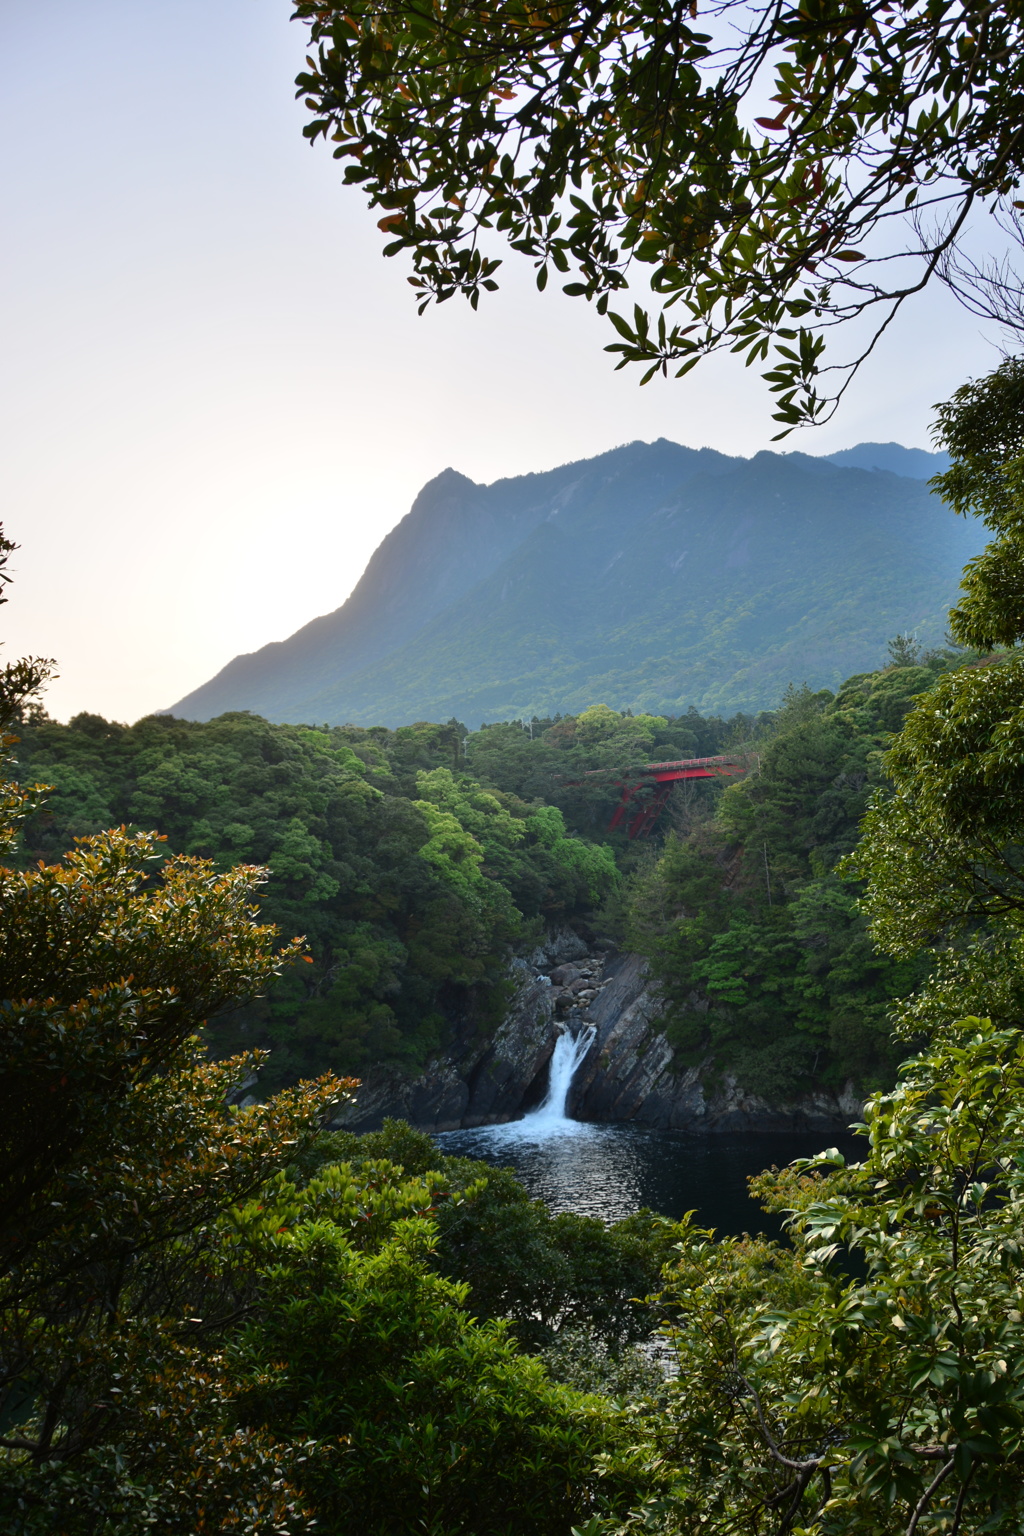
column 629, row 1072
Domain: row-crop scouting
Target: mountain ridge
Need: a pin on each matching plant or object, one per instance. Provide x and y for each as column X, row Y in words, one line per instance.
column 651, row 576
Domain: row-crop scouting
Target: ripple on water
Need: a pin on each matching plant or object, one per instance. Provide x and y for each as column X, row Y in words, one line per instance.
column 610, row 1171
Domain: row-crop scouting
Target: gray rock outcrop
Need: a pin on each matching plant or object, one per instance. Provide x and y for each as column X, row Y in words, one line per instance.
column 479, row 1082
column 629, row 1073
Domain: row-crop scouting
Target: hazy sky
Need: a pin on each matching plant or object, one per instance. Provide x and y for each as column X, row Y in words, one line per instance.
column 217, row 397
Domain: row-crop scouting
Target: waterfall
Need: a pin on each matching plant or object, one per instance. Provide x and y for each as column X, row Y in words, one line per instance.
column 567, row 1056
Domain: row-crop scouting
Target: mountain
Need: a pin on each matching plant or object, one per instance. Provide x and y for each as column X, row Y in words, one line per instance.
column 915, row 463
column 651, row 577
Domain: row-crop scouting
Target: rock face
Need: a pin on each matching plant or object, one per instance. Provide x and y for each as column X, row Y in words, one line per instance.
column 483, row 1082
column 479, row 1082
column 628, row 1073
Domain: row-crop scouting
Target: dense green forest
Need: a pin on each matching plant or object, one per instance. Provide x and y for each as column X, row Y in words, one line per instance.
column 414, row 861
column 764, row 956
column 417, row 861
column 220, row 1317
column 411, row 883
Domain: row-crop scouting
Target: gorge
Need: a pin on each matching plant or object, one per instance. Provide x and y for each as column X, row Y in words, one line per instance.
column 584, row 1038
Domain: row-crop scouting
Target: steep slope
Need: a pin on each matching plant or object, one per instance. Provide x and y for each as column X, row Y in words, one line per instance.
column 654, row 577
column 455, row 534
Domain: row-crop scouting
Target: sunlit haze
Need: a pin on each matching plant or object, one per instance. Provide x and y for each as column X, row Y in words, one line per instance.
column 217, row 397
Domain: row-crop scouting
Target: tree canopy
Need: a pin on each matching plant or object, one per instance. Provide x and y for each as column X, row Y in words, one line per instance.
column 413, row 860
column 592, row 137
column 813, row 1403
column 941, row 847
column 119, row 1153
column 764, row 961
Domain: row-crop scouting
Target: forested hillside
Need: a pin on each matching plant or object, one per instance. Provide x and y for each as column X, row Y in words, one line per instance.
column 221, row 1315
column 418, row 861
column 764, row 957
column 278, row 1290
column 653, row 577
column 411, row 883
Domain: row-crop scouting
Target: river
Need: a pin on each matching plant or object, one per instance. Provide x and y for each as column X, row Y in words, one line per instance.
column 612, row 1170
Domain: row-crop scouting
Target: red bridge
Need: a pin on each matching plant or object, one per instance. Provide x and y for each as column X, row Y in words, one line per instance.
column 658, row 778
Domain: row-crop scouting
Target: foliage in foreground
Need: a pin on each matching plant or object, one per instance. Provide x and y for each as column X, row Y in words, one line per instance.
column 196, row 1336
column 418, row 1416
column 223, row 1320
column 118, row 1155
column 547, row 1276
column 895, row 1404
column 940, row 849
column 592, row 138
column 118, row 1159
column 808, row 1402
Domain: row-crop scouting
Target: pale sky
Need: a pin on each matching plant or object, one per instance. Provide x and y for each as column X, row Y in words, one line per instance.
column 217, row 397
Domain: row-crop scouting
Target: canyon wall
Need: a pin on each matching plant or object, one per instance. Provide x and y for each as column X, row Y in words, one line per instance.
column 629, row 1072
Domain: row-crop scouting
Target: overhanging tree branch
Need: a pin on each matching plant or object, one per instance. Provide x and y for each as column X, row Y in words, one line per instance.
column 636, row 144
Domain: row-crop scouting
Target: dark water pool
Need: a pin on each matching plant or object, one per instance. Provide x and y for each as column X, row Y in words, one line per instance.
column 612, row 1170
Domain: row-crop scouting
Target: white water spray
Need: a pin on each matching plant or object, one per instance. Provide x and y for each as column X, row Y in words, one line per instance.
column 549, row 1118
column 565, row 1058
